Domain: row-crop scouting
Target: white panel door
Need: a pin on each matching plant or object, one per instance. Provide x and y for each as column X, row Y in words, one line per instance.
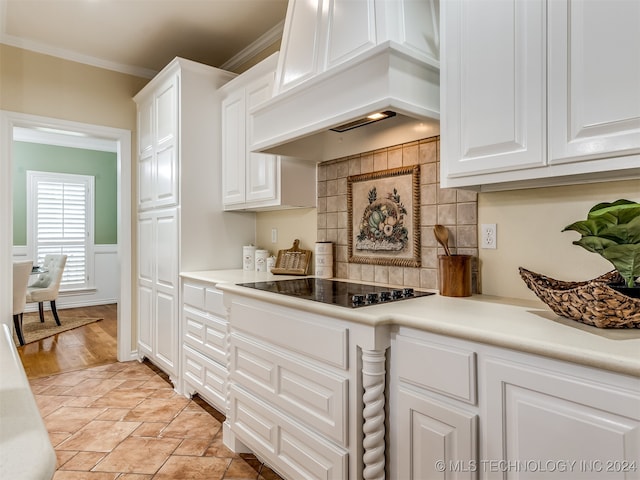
column 553, row 417
column 233, row 148
column 594, row 79
column 166, row 248
column 166, row 331
column 146, row 275
column 145, row 320
column 166, row 181
column 145, row 127
column 493, row 86
column 261, row 168
column 166, row 289
column 436, row 441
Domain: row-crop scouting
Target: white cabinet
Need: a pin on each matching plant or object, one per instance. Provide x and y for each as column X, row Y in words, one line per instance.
column 158, row 288
column 539, row 93
column 548, row 415
column 180, row 214
column 257, row 181
column 462, row 409
column 204, row 343
column 289, row 389
column 435, row 420
column 306, row 391
column 157, row 146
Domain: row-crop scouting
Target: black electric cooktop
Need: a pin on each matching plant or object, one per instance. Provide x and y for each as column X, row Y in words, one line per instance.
column 335, row 292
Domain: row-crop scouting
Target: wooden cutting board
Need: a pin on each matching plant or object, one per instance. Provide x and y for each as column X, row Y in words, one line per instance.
column 293, row 261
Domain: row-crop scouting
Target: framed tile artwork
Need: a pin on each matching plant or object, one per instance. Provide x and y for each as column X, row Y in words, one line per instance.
column 384, row 217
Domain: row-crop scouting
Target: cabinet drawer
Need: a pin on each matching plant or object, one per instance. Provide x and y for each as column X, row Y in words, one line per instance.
column 205, row 334
column 311, row 335
column 205, row 377
column 316, row 397
column 213, row 302
column 440, row 368
column 193, row 295
column 294, row 451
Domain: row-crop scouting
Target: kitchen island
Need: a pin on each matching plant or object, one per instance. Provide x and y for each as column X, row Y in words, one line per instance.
column 469, row 380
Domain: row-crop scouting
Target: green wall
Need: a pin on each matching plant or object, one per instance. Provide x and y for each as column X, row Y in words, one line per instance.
column 49, row 158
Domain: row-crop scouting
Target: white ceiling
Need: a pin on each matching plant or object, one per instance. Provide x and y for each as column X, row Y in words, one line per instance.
column 141, row 36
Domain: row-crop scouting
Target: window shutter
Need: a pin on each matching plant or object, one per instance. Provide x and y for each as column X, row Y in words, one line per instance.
column 61, row 222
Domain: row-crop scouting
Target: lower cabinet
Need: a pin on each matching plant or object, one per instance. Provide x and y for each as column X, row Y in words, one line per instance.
column 533, row 417
column 433, row 395
column 158, row 289
column 293, row 397
column 204, row 343
column 547, row 418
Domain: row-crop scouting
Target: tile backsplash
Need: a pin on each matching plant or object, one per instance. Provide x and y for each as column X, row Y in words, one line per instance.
column 455, row 209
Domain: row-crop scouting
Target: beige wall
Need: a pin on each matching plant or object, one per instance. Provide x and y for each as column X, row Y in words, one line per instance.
column 529, row 225
column 47, row 86
column 290, row 224
column 43, row 85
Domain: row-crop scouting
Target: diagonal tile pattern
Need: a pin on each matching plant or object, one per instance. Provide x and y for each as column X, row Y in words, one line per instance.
column 124, row 421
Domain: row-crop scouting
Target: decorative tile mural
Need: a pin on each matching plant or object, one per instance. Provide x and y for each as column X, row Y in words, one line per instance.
column 455, row 209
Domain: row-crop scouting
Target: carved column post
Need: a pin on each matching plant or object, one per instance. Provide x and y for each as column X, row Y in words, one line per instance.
column 373, row 382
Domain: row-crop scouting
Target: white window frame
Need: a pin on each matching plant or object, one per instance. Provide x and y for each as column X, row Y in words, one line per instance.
column 35, row 177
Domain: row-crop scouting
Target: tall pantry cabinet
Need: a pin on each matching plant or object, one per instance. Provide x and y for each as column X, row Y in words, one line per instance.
column 181, row 223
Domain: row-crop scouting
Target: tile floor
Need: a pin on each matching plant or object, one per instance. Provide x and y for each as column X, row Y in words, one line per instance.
column 124, row 421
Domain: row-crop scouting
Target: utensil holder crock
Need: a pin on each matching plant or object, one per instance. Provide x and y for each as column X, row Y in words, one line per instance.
column 455, row 275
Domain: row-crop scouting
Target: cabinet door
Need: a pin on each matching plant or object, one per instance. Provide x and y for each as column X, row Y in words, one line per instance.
column 261, row 167
column 166, row 144
column 146, row 274
column 493, row 86
column 145, row 155
column 436, row 441
column 233, row 148
column 166, row 289
column 594, row 79
column 548, row 416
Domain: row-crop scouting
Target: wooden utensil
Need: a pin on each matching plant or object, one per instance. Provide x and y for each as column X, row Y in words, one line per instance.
column 442, row 235
column 293, row 261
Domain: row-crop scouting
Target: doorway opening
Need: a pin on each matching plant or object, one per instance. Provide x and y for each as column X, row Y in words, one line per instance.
column 9, row 122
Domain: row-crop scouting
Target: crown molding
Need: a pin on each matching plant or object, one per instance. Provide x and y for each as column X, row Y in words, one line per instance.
column 265, row 40
column 245, row 55
column 75, row 57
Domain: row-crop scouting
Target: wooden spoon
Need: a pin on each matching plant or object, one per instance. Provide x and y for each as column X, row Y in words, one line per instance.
column 442, row 235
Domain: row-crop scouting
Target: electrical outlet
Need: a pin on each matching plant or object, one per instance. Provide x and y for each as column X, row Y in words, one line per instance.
column 489, row 236
column 274, row 235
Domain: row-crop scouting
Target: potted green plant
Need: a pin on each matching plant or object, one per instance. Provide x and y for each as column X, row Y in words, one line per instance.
column 613, row 231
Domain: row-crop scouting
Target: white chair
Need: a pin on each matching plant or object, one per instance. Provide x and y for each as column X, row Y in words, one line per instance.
column 21, row 272
column 46, row 287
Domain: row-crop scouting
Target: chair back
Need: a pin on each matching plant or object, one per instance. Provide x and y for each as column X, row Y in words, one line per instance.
column 54, row 266
column 21, row 272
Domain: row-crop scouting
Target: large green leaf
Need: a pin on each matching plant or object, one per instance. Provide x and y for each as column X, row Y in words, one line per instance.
column 592, row 226
column 625, row 259
column 595, row 244
column 623, row 233
column 602, row 208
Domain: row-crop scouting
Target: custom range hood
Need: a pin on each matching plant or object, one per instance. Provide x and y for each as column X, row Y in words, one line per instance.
column 343, row 60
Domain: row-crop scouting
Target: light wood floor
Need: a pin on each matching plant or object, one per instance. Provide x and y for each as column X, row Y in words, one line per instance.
column 83, row 347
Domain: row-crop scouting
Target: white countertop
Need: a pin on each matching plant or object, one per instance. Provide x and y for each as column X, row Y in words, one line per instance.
column 519, row 325
column 25, row 449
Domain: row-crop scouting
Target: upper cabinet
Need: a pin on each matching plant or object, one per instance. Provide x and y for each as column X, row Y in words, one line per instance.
column 158, row 138
column 251, row 180
column 539, row 93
